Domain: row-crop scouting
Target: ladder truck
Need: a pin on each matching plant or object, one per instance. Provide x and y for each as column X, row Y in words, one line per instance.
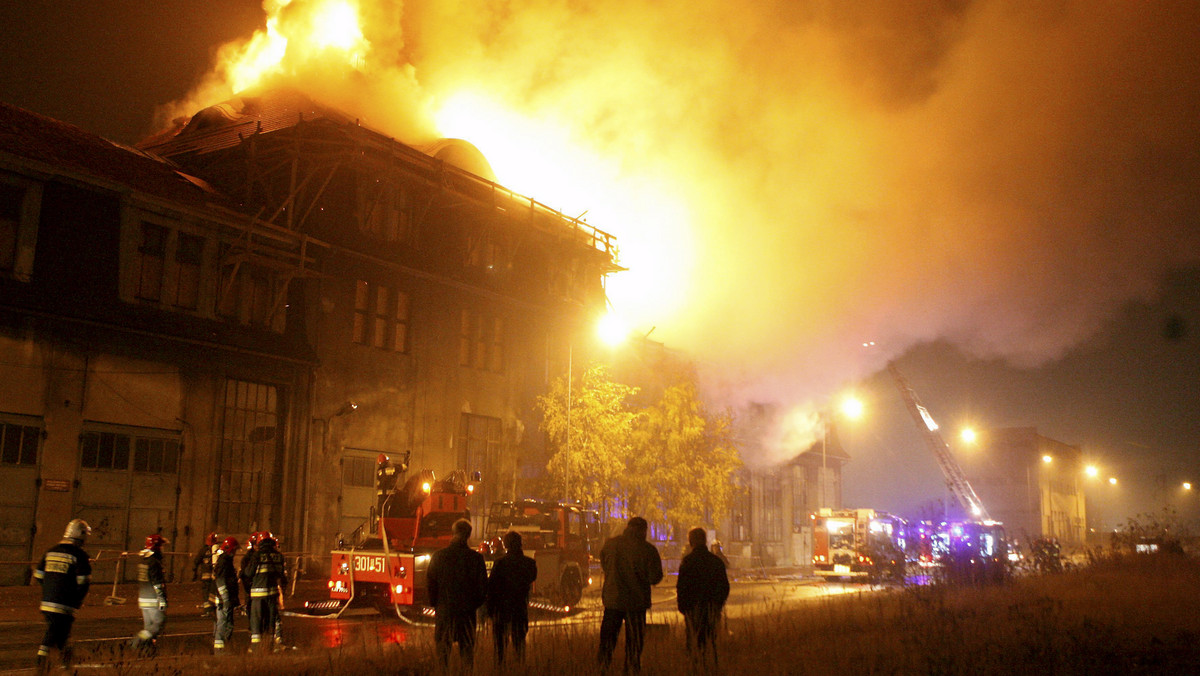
column 956, row 481
column 968, row 548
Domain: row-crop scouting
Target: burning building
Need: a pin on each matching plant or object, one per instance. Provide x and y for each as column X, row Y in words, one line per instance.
column 223, row 329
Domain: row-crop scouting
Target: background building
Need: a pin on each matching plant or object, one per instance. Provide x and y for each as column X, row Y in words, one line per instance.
column 1031, row 483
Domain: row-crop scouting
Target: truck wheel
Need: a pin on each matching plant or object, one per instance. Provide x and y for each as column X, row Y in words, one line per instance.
column 570, row 588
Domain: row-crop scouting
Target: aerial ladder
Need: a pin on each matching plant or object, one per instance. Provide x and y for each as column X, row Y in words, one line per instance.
column 956, row 481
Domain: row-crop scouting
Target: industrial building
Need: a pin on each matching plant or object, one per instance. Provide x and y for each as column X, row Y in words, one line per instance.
column 224, row 328
column 1030, row 483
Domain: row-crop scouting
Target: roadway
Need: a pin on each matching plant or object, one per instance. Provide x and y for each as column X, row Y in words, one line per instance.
column 101, row 629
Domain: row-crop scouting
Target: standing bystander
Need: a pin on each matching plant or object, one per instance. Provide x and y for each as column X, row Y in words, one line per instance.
column 65, row 575
column 702, row 589
column 631, row 566
column 508, row 597
column 457, row 582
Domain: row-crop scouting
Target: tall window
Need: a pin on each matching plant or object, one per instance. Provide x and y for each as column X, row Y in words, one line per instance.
column 11, row 198
column 189, row 250
column 479, row 449
column 250, row 456
column 384, row 209
column 380, row 317
column 799, row 498
column 151, row 251
column 772, row 509
column 480, row 341
column 19, row 443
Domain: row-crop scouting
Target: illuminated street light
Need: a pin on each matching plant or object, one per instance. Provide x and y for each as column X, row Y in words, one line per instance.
column 1112, row 481
column 1091, row 470
column 1047, row 459
column 968, row 435
column 852, row 407
column 1187, row 485
column 612, row 330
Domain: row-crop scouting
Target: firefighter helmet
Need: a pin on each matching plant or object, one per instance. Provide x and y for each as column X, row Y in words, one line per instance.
column 155, row 541
column 77, row 529
column 253, row 539
column 211, row 539
column 267, row 536
column 230, row 544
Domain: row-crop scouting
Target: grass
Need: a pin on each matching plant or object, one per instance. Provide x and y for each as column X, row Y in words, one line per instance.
column 1131, row 615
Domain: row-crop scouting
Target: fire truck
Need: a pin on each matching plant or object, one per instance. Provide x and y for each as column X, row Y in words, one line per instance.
column 383, row 563
column 559, row 537
column 858, row 543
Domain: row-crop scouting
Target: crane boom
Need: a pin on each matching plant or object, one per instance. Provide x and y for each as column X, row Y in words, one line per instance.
column 956, row 481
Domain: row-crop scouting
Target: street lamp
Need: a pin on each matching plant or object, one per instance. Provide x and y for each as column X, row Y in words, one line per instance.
column 852, row 408
column 610, row 330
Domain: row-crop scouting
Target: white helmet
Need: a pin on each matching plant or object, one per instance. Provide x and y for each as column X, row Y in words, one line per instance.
column 77, row 529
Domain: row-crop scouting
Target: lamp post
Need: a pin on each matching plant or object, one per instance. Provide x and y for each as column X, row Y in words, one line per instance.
column 611, row 331
column 851, row 408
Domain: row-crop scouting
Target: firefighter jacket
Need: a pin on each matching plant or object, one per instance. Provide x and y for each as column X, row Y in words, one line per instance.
column 202, row 563
column 631, row 566
column 152, row 584
column 247, row 570
column 509, row 584
column 703, row 583
column 267, row 573
column 457, row 579
column 226, row 578
column 65, row 575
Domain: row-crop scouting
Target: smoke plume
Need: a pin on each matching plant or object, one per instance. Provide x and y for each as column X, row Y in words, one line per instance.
column 789, row 179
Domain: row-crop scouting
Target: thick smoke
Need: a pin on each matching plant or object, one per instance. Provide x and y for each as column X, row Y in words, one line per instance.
column 1001, row 174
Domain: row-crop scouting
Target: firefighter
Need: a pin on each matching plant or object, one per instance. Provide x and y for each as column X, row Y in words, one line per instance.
column 152, row 595
column 225, row 581
column 65, row 575
column 247, row 561
column 202, row 569
column 268, row 575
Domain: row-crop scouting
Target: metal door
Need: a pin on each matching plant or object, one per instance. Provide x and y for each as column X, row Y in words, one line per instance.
column 358, row 489
column 20, row 441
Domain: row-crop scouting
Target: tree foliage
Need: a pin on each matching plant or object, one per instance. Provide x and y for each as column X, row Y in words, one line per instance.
column 673, row 462
column 589, row 461
column 683, row 473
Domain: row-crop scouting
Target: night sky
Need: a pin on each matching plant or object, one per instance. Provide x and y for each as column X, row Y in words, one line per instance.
column 1004, row 193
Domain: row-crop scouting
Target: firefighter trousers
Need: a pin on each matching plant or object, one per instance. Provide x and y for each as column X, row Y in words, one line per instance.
column 264, row 617
column 57, row 637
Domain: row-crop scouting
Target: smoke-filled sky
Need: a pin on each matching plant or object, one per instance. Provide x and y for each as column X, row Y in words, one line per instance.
column 1001, row 184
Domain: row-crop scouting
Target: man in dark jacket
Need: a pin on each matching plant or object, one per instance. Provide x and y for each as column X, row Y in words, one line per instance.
column 152, row 594
column 631, row 566
column 701, row 592
column 65, row 575
column 225, row 580
column 457, row 580
column 268, row 575
column 508, row 596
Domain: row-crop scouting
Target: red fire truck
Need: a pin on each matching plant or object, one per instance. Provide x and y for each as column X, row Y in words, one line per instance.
column 559, row 538
column 386, row 561
column 858, row 543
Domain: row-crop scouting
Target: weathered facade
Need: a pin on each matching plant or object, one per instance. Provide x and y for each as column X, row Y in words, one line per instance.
column 228, row 342
column 770, row 524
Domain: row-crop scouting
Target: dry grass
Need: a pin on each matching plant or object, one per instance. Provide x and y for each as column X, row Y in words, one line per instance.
column 1121, row 616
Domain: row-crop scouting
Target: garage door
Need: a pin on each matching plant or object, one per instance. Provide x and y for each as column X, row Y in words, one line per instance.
column 128, row 489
